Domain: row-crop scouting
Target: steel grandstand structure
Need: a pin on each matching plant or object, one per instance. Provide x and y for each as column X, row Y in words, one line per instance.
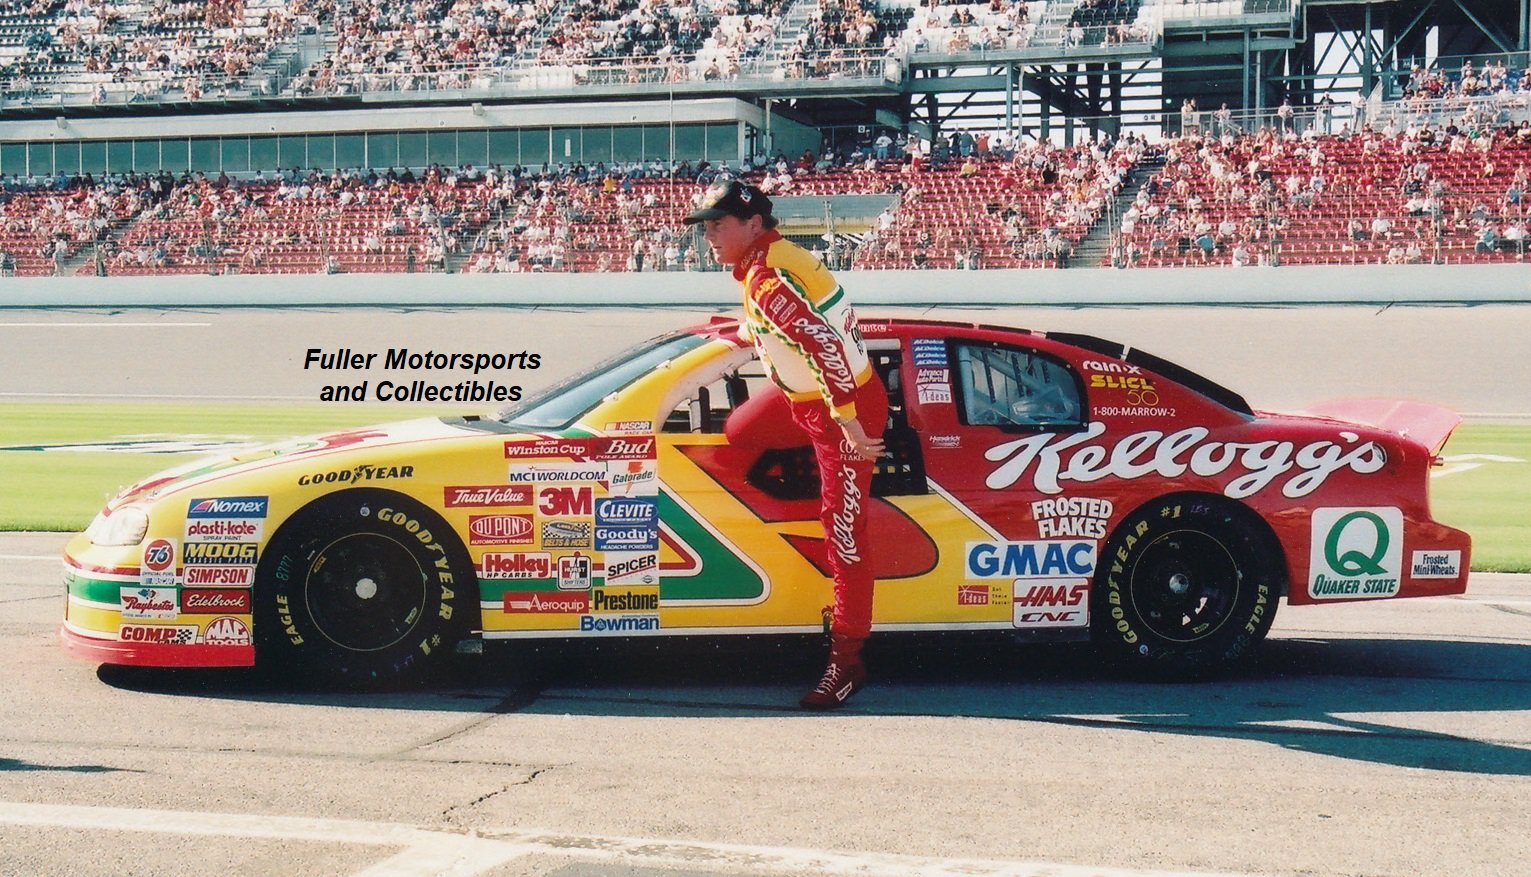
column 252, row 136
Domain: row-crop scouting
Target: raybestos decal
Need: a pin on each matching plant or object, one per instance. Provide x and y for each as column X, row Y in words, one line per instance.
column 1169, row 456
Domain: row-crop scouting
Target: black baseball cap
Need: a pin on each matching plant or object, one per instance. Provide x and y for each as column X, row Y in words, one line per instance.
column 733, row 199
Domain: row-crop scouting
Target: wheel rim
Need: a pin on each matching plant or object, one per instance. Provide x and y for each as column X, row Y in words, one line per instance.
column 365, row 592
column 1184, row 585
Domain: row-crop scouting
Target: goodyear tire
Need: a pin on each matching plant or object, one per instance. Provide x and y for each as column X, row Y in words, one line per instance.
column 1186, row 586
column 363, row 588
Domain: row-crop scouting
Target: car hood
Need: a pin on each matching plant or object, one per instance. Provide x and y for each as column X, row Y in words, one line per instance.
column 209, row 469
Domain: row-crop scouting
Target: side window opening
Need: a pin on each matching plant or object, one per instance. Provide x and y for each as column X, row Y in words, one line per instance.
column 1014, row 388
column 791, row 473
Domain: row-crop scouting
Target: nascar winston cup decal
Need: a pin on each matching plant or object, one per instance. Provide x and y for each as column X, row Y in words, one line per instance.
column 1356, row 552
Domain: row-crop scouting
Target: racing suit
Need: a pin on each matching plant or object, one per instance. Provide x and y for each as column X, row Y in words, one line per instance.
column 807, row 336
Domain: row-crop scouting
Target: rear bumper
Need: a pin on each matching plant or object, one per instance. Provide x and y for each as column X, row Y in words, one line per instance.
column 104, row 651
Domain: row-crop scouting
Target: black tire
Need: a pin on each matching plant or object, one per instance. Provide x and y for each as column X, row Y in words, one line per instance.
column 364, row 588
column 1185, row 587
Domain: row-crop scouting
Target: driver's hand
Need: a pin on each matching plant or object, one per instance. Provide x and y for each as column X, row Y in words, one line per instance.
column 869, row 448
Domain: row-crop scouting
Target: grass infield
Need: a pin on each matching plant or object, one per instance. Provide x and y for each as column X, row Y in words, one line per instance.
column 63, row 489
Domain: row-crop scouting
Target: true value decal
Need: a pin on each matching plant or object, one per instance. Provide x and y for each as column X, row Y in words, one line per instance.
column 1052, row 459
column 1356, row 553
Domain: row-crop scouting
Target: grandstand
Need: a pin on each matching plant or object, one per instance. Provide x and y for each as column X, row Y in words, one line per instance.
column 248, row 136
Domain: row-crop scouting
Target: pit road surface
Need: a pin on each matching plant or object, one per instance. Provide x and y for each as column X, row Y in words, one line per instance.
column 1385, row 739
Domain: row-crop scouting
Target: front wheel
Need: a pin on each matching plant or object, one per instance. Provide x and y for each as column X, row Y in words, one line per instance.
column 365, row 588
column 1185, row 587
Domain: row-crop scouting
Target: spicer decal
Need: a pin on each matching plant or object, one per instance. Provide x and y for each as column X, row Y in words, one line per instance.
column 1022, row 560
column 1051, row 458
column 482, row 496
column 516, row 565
column 1356, row 553
column 629, row 568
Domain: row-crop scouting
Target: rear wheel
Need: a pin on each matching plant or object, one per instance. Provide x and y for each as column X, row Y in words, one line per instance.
column 363, row 587
column 1185, row 587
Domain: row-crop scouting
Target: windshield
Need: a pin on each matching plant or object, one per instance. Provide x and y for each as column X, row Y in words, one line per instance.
column 566, row 401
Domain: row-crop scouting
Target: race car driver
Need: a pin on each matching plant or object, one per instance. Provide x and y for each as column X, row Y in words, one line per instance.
column 807, row 336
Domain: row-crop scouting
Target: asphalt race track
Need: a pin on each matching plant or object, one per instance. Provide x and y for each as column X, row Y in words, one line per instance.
column 1376, row 740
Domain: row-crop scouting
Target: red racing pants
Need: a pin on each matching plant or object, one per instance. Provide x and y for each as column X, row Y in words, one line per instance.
column 767, row 420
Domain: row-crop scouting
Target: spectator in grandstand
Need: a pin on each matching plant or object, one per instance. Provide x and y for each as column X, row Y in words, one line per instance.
column 1382, row 227
column 1488, row 239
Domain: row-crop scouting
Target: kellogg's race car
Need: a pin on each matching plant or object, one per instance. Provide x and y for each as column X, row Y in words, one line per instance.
column 1048, row 484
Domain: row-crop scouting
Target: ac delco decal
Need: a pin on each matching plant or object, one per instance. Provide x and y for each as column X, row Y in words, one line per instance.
column 500, row 529
column 479, row 496
column 1052, row 458
column 215, row 601
column 517, row 565
column 232, row 576
column 582, row 449
column 228, row 507
column 218, row 553
column 554, row 603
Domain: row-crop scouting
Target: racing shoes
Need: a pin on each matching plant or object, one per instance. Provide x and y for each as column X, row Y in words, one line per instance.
column 843, row 677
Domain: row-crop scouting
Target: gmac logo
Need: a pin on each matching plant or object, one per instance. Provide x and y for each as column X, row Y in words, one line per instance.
column 1030, row 560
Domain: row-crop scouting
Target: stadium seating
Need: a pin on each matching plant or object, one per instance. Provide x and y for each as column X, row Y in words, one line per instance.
column 996, row 213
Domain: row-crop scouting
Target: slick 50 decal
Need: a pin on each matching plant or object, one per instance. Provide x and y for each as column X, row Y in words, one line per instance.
column 1356, row 553
column 1051, row 458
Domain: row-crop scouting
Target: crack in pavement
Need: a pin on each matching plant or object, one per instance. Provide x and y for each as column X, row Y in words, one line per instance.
column 447, row 814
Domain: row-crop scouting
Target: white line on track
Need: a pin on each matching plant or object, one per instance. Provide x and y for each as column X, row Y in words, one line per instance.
column 429, row 852
column 38, row 557
column 107, row 325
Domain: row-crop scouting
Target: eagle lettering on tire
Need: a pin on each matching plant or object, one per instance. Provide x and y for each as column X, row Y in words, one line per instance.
column 1187, row 585
column 363, row 585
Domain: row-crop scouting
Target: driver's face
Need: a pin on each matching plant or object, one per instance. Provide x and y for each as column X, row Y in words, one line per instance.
column 731, row 236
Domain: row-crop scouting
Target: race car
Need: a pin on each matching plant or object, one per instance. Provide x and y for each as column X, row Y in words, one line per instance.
column 1053, row 485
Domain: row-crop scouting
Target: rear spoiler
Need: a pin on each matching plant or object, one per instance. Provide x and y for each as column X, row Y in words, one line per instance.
column 1430, row 425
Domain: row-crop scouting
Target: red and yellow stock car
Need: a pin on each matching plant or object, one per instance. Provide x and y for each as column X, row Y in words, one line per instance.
column 1044, row 483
